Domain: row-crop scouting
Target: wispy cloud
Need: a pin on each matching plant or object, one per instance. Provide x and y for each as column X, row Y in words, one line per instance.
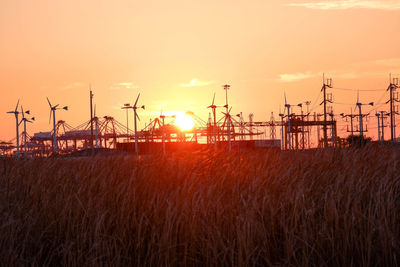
column 390, row 62
column 348, row 75
column 72, row 86
column 196, row 83
column 122, row 86
column 349, row 4
column 294, row 77
column 357, row 70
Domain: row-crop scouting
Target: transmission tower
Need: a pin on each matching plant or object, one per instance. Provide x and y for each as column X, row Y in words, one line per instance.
column 308, row 119
column 393, row 85
column 326, row 83
column 282, row 115
column 351, row 116
column 333, row 130
column 381, row 116
column 361, row 128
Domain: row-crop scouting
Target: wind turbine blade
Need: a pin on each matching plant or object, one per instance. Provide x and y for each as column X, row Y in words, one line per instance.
column 230, row 110
column 22, row 111
column 136, row 100
column 137, row 116
column 50, row 116
column 16, row 107
column 48, row 101
column 213, row 100
column 357, row 100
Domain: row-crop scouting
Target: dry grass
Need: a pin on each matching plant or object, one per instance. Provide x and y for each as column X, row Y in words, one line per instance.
column 251, row 209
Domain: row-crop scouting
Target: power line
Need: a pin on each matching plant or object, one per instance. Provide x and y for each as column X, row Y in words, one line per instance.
column 315, row 102
column 347, row 104
column 379, row 104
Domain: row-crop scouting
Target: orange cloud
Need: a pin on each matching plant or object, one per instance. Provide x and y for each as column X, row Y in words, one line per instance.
column 122, row 86
column 294, row 77
column 196, row 83
column 348, row 4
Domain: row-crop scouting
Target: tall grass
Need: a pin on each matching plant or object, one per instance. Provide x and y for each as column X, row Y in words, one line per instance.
column 213, row 209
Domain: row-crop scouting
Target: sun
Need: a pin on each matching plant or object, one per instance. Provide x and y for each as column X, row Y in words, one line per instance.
column 184, row 122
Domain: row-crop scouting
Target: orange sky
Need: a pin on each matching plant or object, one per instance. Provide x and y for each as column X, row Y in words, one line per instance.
column 178, row 53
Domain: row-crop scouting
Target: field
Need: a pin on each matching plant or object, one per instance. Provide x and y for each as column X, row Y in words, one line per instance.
column 310, row 208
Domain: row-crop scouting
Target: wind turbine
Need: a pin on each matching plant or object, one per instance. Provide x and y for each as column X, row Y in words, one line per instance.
column 25, row 120
column 136, row 116
column 214, row 107
column 288, row 106
column 96, row 120
column 53, row 110
column 288, row 111
column 360, row 116
column 228, row 118
column 226, row 88
column 282, row 115
column 15, row 112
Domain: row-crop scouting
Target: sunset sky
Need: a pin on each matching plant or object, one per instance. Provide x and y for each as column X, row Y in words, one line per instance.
column 178, row 53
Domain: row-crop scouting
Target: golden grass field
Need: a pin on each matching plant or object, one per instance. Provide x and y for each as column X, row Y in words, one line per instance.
column 314, row 208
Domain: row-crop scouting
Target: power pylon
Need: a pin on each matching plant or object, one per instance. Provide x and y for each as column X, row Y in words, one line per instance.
column 326, row 83
column 393, row 85
column 381, row 116
column 308, row 127
column 351, row 116
column 361, row 116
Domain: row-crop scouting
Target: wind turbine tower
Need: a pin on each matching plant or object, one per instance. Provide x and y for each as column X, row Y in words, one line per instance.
column 358, row 104
column 228, row 118
column 288, row 111
column 96, row 121
column 226, row 88
column 25, row 120
column 214, row 107
column 135, row 107
column 282, row 115
column 136, row 116
column 53, row 112
column 16, row 113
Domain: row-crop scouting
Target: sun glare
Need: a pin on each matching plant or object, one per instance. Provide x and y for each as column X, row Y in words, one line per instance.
column 184, row 122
